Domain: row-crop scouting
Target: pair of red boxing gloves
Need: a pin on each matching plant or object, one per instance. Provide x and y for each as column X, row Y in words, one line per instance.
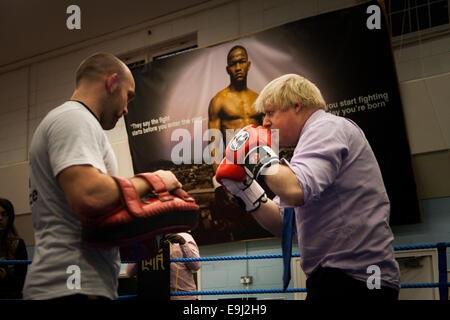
column 247, row 158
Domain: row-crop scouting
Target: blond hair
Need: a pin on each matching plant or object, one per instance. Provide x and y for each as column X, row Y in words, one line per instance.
column 287, row 90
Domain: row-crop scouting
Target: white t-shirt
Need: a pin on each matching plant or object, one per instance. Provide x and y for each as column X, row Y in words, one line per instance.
column 62, row 265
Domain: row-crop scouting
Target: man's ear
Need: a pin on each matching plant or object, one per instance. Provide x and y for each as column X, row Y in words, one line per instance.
column 298, row 106
column 228, row 70
column 111, row 83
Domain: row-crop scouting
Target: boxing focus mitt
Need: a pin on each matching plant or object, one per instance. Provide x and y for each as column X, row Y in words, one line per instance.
column 251, row 148
column 137, row 220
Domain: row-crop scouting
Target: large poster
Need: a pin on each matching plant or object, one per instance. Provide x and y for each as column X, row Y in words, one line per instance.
column 180, row 97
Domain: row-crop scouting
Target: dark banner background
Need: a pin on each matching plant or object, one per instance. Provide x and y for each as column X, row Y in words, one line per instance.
column 352, row 66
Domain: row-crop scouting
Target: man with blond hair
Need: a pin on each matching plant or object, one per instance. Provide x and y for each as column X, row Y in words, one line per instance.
column 334, row 183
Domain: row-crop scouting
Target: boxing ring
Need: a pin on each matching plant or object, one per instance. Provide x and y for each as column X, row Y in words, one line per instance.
column 441, row 247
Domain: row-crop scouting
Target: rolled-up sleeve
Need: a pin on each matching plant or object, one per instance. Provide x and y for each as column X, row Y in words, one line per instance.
column 317, row 159
column 190, row 250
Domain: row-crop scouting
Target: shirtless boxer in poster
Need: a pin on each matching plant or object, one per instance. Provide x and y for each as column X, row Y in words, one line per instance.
column 232, row 107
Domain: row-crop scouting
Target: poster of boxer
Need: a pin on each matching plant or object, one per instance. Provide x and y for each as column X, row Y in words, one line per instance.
column 187, row 104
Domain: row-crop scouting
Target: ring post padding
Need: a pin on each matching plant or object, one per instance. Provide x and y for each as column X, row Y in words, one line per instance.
column 442, row 263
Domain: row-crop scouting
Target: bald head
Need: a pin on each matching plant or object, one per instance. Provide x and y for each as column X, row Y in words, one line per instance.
column 99, row 65
column 105, row 85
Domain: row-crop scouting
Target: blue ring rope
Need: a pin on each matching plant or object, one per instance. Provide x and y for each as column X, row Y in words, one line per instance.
column 267, row 256
column 263, row 291
column 224, row 258
column 442, row 285
column 259, row 291
column 273, row 256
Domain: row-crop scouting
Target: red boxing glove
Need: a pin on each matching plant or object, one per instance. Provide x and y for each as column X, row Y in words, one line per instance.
column 247, row 191
column 251, row 148
column 229, row 170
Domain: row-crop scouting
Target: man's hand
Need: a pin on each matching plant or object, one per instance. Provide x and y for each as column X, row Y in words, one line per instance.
column 248, row 192
column 169, row 180
column 174, row 238
column 251, row 148
column 250, row 195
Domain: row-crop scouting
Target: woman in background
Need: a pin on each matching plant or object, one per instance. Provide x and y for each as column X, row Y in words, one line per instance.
column 12, row 247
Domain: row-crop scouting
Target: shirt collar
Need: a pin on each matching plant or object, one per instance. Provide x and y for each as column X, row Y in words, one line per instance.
column 87, row 108
column 316, row 114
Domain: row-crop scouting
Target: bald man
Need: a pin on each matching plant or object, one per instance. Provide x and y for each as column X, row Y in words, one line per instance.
column 71, row 169
column 232, row 107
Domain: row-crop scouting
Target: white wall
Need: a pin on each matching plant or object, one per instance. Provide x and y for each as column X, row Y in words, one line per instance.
column 424, row 74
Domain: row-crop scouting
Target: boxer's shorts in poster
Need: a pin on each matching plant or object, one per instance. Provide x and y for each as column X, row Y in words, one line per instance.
column 350, row 63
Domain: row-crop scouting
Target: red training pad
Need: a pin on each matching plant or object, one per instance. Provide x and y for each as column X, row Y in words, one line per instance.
column 136, row 220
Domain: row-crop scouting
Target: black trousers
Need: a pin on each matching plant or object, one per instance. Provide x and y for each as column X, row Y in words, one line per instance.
column 329, row 284
column 81, row 297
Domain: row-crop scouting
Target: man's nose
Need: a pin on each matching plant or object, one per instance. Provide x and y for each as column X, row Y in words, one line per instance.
column 266, row 123
column 125, row 110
